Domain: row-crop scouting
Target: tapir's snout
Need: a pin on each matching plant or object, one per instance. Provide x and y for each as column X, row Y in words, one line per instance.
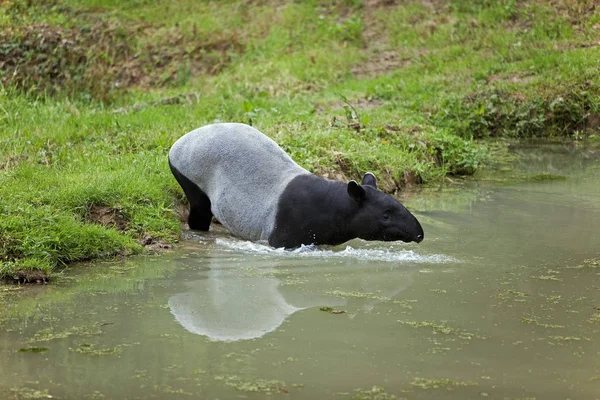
column 418, row 234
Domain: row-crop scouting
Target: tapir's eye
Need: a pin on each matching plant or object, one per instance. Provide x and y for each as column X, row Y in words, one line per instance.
column 386, row 216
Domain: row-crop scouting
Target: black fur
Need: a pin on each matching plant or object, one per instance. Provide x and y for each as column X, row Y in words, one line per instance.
column 200, row 214
column 314, row 210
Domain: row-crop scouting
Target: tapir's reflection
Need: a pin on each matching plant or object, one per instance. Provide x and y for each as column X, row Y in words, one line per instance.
column 237, row 298
column 230, row 302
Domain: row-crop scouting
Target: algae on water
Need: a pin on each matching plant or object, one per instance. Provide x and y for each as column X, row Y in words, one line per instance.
column 48, row 334
column 254, row 385
column 592, row 263
column 442, row 328
column 331, row 310
column 29, row 393
column 357, row 295
column 448, row 384
column 32, row 349
column 375, row 393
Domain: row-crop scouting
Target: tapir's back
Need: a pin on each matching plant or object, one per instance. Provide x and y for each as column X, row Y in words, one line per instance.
column 242, row 171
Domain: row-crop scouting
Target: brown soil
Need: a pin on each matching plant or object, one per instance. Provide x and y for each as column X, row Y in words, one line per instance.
column 11, row 161
column 380, row 63
column 380, row 3
column 385, row 180
column 29, row 276
column 108, row 216
column 188, row 98
column 100, row 56
column 112, row 217
column 380, row 58
column 575, row 12
column 333, row 175
column 361, row 103
column 154, row 245
column 182, row 210
column 514, row 78
column 593, row 122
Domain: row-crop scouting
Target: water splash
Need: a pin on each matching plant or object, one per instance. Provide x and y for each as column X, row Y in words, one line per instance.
column 311, row 251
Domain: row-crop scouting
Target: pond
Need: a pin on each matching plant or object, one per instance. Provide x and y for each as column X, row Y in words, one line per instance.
column 501, row 300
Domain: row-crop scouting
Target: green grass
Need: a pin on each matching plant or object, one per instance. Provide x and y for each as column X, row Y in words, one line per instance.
column 94, row 92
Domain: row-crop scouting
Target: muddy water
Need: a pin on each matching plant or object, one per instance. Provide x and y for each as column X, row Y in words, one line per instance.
column 502, row 300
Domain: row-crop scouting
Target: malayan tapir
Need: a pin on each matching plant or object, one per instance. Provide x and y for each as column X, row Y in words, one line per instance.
column 244, row 179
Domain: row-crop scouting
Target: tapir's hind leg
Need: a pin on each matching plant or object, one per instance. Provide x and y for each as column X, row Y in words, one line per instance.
column 200, row 214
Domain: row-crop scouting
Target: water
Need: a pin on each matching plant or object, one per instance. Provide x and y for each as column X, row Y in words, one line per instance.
column 501, row 300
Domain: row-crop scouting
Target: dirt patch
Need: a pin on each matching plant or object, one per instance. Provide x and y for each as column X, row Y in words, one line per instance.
column 98, row 56
column 380, row 58
column 187, row 98
column 12, row 161
column 593, row 122
column 108, row 216
column 411, row 178
column 386, row 182
column 333, row 175
column 181, row 210
column 514, row 78
column 576, row 12
column 29, row 276
column 380, row 3
column 178, row 57
column 154, row 245
column 373, row 33
column 344, row 164
column 361, row 103
column 432, row 4
column 380, row 63
column 44, row 58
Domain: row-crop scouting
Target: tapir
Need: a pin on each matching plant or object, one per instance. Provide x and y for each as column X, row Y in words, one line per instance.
column 250, row 184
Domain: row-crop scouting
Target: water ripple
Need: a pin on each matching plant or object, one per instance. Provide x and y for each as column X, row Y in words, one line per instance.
column 311, row 251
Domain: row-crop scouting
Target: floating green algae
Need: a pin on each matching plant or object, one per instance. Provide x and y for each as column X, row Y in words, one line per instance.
column 595, row 318
column 568, row 338
column 511, row 295
column 442, row 328
column 552, row 299
column 589, row 263
column 48, row 334
column 533, row 320
column 513, row 177
column 548, row 278
column 375, row 393
column 448, row 384
column 520, row 398
column 331, row 310
column 405, row 303
column 357, row 295
column 32, row 349
column 546, row 177
column 255, row 385
column 29, row 393
column 94, row 350
column 172, row 390
column 96, row 395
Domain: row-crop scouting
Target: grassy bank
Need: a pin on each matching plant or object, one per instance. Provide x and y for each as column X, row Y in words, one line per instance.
column 94, row 92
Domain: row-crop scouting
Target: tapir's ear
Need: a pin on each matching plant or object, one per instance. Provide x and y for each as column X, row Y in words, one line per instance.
column 356, row 191
column 370, row 180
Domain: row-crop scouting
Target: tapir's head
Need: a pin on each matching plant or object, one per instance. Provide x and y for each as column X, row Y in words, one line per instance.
column 379, row 216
